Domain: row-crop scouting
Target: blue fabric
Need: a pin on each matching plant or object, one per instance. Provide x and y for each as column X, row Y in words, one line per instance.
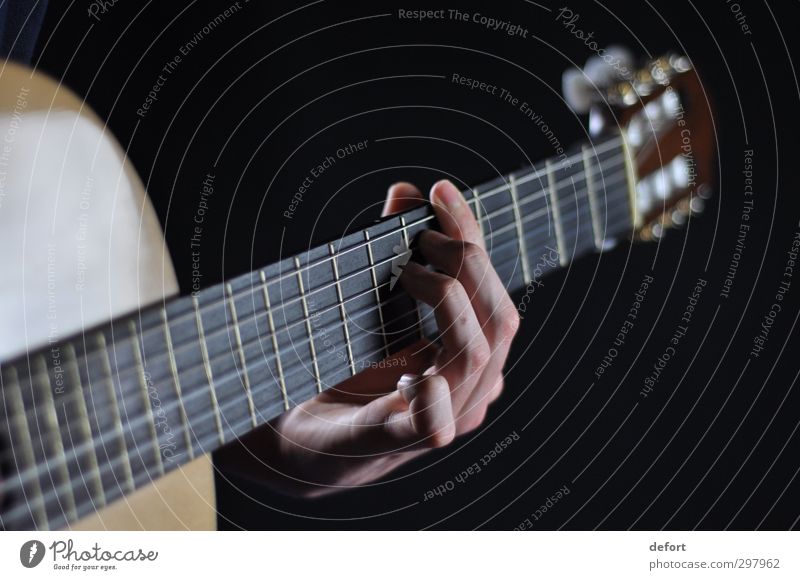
column 20, row 23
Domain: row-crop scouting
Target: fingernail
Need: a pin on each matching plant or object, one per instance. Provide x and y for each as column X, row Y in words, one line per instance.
column 406, row 387
column 406, row 380
column 448, row 194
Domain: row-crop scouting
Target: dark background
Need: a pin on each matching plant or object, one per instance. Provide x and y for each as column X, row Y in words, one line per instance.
column 269, row 93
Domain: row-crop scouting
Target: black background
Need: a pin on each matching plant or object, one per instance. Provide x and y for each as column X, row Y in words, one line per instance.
column 269, row 94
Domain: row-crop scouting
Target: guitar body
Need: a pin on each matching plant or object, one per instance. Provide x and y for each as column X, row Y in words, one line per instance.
column 80, row 241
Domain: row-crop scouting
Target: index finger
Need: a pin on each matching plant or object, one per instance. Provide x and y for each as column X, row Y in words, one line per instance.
column 454, row 214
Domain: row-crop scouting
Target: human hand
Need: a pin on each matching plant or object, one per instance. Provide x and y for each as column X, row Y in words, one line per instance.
column 365, row 427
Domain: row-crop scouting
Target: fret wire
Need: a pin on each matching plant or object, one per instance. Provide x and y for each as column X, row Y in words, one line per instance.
column 377, row 293
column 309, row 330
column 272, row 332
column 54, row 434
column 520, row 235
column 173, row 367
column 85, row 423
column 146, row 398
column 594, row 206
column 245, row 378
column 340, row 299
column 478, row 210
column 630, row 173
column 14, row 396
column 556, row 211
column 117, row 418
column 207, row 364
column 416, row 304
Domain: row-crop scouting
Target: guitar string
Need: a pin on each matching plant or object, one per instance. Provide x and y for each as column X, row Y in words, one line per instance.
column 156, row 328
column 601, row 148
column 211, row 437
column 510, row 241
column 79, row 450
column 294, row 344
column 135, row 340
column 254, row 290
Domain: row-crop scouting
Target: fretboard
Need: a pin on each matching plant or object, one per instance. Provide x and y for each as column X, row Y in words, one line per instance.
column 92, row 418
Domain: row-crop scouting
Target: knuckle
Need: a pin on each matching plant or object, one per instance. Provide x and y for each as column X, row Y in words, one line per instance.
column 477, row 355
column 509, row 321
column 449, row 287
column 505, row 322
column 474, row 420
column 434, row 383
column 473, row 254
column 442, row 437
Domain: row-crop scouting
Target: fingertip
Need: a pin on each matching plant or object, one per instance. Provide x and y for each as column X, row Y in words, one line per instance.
column 401, row 196
column 444, row 193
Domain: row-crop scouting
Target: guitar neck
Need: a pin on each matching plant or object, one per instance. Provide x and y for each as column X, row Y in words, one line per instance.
column 92, row 418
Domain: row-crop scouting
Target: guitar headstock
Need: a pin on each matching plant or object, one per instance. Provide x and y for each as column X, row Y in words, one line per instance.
column 666, row 117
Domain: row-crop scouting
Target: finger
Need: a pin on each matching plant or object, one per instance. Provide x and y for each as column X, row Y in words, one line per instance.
column 454, row 213
column 470, row 265
column 496, row 313
column 402, row 196
column 380, row 379
column 465, row 349
column 391, row 424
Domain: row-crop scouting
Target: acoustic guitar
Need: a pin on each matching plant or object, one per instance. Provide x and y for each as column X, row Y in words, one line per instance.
column 115, row 390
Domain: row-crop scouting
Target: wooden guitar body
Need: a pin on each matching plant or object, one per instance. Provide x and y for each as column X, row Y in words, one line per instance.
column 81, row 242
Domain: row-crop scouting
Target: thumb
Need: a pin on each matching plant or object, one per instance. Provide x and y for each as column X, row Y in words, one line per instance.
column 419, row 415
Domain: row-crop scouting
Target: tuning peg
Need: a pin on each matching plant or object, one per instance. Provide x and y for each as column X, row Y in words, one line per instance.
column 622, row 60
column 577, row 89
column 615, row 64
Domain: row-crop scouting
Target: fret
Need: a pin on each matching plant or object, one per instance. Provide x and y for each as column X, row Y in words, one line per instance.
column 222, row 336
column 207, row 366
column 309, row 331
column 594, row 205
column 476, row 198
column 631, row 177
column 245, row 379
column 75, row 406
column 22, row 440
column 145, row 388
column 611, row 185
column 416, row 303
column 377, row 293
column 576, row 218
column 556, row 212
column 520, row 235
column 332, row 251
column 100, row 402
column 274, row 341
column 52, row 431
column 115, row 415
column 173, row 370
